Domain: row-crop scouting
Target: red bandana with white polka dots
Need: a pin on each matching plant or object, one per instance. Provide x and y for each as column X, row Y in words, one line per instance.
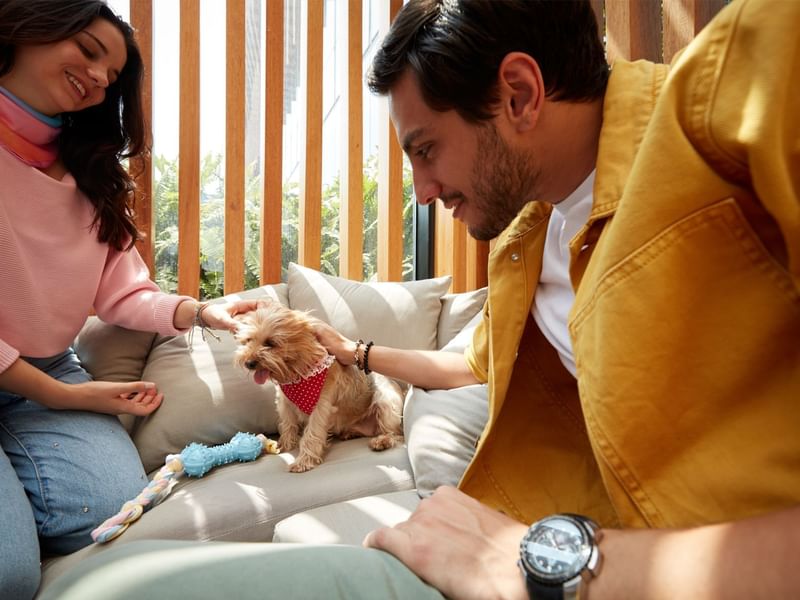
column 305, row 392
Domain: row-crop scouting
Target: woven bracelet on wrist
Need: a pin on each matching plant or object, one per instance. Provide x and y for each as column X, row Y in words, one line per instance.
column 198, row 322
column 359, row 343
column 366, row 358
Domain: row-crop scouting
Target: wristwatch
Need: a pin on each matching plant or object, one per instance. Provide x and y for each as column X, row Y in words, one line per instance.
column 558, row 556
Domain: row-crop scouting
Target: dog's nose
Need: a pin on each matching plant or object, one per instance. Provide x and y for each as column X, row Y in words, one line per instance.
column 251, row 364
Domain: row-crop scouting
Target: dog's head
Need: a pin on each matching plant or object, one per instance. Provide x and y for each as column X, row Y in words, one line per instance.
column 277, row 343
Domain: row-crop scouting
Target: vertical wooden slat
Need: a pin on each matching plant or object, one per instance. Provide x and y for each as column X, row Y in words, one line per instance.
column 458, row 249
column 142, row 166
column 633, row 28
column 311, row 193
column 390, row 194
column 273, row 146
column 442, row 255
column 189, row 150
column 234, row 145
column 477, row 264
column 351, row 209
column 683, row 19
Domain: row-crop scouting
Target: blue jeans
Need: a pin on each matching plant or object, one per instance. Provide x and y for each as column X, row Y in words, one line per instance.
column 62, row 473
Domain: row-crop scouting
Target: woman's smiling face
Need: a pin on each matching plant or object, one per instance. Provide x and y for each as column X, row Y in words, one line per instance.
column 69, row 75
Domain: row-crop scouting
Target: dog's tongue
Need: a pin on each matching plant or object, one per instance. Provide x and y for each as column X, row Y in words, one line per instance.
column 261, row 376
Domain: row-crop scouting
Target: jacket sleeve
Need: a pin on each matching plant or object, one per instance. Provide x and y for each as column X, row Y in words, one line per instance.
column 750, row 121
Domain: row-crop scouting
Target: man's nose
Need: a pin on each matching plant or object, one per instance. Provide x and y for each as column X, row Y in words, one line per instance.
column 426, row 192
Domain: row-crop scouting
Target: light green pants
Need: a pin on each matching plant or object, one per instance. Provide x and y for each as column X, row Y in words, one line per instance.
column 166, row 570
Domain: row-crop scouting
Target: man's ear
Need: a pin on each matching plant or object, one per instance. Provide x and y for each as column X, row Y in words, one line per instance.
column 521, row 89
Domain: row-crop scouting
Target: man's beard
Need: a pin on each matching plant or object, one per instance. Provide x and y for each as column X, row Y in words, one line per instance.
column 503, row 181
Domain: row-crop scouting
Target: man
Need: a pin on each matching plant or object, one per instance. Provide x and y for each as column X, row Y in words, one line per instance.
column 640, row 339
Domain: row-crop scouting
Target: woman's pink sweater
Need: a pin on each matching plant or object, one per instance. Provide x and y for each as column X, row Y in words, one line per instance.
column 53, row 270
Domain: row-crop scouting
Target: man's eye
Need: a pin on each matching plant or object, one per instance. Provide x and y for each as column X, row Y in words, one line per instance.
column 424, row 151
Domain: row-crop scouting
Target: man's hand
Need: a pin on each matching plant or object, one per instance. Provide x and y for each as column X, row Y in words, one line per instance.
column 335, row 343
column 461, row 547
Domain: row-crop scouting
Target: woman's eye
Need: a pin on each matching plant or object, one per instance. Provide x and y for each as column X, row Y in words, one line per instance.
column 85, row 51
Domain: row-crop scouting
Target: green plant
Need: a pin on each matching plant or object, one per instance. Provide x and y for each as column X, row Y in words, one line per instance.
column 212, row 224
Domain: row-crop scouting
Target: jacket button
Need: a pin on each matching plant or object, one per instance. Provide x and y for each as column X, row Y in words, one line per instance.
column 514, row 257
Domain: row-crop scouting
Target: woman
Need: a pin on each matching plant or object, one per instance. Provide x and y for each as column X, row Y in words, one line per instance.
column 70, row 110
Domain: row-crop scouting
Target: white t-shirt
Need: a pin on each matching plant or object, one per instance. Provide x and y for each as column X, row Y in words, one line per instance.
column 554, row 295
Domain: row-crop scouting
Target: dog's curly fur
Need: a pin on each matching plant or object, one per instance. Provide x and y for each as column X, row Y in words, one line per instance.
column 278, row 343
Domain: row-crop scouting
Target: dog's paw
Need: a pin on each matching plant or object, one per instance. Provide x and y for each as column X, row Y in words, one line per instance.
column 384, row 441
column 303, row 463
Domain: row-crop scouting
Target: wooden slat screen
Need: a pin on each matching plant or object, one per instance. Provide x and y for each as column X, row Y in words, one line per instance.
column 234, row 146
column 311, row 196
column 142, row 167
column 351, row 216
column 633, row 29
column 189, row 151
column 271, row 208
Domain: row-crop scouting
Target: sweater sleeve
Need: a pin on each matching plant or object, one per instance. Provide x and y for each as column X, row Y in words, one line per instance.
column 8, row 355
column 128, row 297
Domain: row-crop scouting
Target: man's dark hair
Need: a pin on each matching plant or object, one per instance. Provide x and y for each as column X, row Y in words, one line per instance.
column 93, row 141
column 455, row 47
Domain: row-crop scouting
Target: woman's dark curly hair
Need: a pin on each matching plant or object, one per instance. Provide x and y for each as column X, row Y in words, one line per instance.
column 93, row 141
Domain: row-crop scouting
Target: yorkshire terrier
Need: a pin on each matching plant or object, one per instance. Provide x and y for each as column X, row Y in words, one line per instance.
column 317, row 397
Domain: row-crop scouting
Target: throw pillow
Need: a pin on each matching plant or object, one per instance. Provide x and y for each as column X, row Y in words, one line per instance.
column 398, row 314
column 442, row 426
column 207, row 398
column 457, row 311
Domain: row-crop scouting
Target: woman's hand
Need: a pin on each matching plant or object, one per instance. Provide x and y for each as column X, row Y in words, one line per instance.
column 139, row 398
column 218, row 315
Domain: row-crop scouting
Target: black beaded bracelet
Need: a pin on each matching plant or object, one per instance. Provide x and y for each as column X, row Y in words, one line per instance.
column 366, row 357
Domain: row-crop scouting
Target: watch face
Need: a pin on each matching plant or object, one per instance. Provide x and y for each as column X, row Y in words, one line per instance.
column 556, row 549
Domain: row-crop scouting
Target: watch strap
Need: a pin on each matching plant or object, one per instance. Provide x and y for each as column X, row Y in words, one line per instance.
column 540, row 591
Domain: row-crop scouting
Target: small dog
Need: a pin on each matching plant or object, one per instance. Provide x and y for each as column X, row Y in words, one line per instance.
column 316, row 395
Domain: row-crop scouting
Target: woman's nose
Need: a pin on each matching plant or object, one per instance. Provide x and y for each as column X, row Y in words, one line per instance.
column 99, row 76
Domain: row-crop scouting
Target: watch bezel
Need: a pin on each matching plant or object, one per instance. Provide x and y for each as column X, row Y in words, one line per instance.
column 590, row 555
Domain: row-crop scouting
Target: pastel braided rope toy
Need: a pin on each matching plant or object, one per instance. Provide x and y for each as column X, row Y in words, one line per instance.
column 195, row 460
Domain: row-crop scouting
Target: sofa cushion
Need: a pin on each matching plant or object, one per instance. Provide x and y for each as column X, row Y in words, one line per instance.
column 244, row 501
column 347, row 522
column 398, row 314
column 442, row 426
column 206, row 398
column 457, row 311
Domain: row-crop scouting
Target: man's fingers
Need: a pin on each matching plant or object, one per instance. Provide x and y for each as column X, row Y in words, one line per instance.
column 390, row 539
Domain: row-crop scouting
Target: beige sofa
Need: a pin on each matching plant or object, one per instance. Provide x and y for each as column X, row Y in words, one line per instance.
column 208, row 400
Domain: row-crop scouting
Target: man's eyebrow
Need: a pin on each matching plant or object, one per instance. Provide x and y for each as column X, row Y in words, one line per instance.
column 409, row 139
